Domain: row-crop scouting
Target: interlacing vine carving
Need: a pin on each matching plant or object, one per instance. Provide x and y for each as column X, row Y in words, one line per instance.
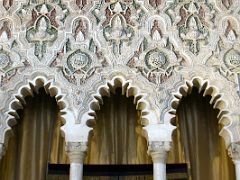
column 159, row 46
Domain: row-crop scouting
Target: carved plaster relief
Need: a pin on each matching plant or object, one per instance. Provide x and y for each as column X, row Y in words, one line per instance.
column 155, row 50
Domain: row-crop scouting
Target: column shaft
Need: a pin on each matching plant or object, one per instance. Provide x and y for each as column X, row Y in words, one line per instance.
column 76, row 171
column 76, row 152
column 159, row 152
column 237, row 169
column 159, row 171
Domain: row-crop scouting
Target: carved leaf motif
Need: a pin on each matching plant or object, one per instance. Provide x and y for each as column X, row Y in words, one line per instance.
column 230, row 33
column 81, row 3
column 4, row 60
column 80, row 32
column 7, row 4
column 232, row 59
column 155, row 3
column 5, row 32
column 227, row 3
column 156, row 32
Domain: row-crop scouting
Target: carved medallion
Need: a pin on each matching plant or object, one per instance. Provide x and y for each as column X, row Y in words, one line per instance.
column 78, row 67
column 232, row 58
column 4, row 60
column 156, row 59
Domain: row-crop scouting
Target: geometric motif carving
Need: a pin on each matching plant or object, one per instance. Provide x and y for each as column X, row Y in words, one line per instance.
column 155, row 45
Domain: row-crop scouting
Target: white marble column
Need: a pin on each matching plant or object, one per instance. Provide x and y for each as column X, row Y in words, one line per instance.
column 76, row 153
column 159, row 151
column 237, row 169
column 234, row 153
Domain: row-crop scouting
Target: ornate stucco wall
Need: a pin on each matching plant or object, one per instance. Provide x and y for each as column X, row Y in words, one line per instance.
column 156, row 50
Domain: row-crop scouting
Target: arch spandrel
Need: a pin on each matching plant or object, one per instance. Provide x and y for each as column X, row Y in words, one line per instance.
column 132, row 84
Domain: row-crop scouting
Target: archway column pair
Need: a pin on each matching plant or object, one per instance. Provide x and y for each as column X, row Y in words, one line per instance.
column 157, row 135
column 77, row 152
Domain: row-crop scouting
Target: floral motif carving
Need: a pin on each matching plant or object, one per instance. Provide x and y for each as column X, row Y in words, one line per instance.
column 78, row 67
column 158, row 67
column 194, row 23
column 156, row 64
column 230, row 31
column 42, row 28
column 231, row 67
column 155, row 45
column 10, row 62
column 118, row 29
column 156, row 32
column 118, row 32
column 10, row 58
column 5, row 32
column 80, row 30
column 226, row 56
column 81, row 3
column 232, row 59
column 7, row 4
column 118, row 23
column 227, row 3
column 155, row 3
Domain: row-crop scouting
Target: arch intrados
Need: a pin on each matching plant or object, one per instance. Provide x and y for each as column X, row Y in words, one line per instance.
column 18, row 99
column 224, row 115
column 203, row 86
column 128, row 89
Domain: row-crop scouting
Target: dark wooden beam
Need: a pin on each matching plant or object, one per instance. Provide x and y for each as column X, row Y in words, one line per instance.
column 173, row 170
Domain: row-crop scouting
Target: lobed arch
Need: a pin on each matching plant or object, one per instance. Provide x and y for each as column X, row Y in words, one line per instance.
column 17, row 101
column 148, row 116
column 153, row 128
column 218, row 99
column 140, row 100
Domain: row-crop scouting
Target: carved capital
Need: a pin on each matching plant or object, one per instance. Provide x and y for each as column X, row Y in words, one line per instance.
column 76, row 151
column 76, row 146
column 159, row 150
column 159, row 146
column 234, row 151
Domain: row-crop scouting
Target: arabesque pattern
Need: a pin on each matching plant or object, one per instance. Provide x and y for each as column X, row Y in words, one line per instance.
column 161, row 48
